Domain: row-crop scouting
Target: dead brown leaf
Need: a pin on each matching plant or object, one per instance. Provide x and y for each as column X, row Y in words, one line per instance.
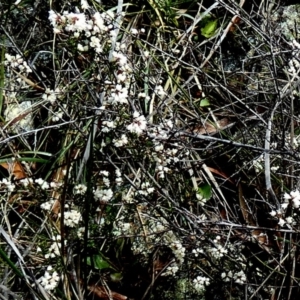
column 102, row 293
column 244, row 208
column 211, row 128
column 221, row 174
column 15, row 168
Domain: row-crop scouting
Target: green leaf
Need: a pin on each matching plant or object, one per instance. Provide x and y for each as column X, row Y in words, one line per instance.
column 6, row 259
column 116, row 277
column 204, row 102
column 99, row 262
column 205, row 191
column 209, row 28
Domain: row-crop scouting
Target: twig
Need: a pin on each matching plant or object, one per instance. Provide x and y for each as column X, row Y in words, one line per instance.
column 267, row 156
column 229, row 142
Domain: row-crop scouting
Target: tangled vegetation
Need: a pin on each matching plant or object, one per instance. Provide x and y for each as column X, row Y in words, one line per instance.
column 149, row 149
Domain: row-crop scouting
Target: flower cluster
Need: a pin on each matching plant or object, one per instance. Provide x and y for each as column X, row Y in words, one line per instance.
column 291, row 199
column 71, row 218
column 171, row 270
column 165, row 158
column 17, row 62
column 78, row 23
column 51, row 95
column 146, row 189
column 50, row 279
column 42, row 183
column 8, row 185
column 292, row 142
column 237, row 277
column 54, row 249
column 218, row 250
column 119, row 93
column 48, row 205
column 139, row 124
column 80, row 189
column 17, row 110
column 197, row 251
column 121, row 141
column 119, row 179
column 103, row 194
column 200, row 282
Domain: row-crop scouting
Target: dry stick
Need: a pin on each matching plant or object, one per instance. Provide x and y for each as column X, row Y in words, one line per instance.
column 57, row 126
column 292, row 142
column 293, row 270
column 229, row 142
column 267, row 156
column 197, row 220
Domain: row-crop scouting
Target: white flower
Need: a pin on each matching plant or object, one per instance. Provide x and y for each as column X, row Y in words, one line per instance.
column 103, row 195
column 71, row 218
column 80, row 189
column 159, row 90
column 284, row 205
column 104, row 173
column 84, row 5
column 289, row 220
column 80, row 48
column 120, row 95
column 281, row 222
column 292, row 195
column 47, row 205
column 273, row 213
column 8, row 184
column 43, row 184
column 134, row 31
column 49, row 95
column 54, row 249
column 120, row 58
column 118, row 181
column 108, row 126
column 296, row 202
column 50, row 280
column 171, row 270
column 118, row 173
column 99, row 22
column 200, row 282
column 139, row 124
column 106, row 182
column 121, row 142
column 159, row 147
column 121, row 77
column 197, row 251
